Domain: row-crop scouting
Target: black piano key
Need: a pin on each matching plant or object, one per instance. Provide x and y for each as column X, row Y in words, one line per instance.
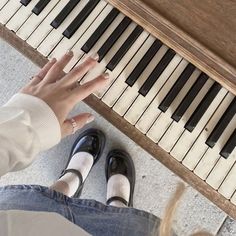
column 143, row 62
column 100, row 30
column 174, row 91
column 25, row 2
column 229, row 146
column 202, row 107
column 80, row 18
column 40, row 6
column 188, row 99
column 222, row 124
column 113, row 37
column 124, row 48
column 153, row 77
column 64, row 13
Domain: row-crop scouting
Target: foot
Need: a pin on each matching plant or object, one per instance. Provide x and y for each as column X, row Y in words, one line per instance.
column 85, row 152
column 120, row 175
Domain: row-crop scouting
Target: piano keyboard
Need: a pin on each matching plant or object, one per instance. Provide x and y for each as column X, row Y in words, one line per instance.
column 168, row 99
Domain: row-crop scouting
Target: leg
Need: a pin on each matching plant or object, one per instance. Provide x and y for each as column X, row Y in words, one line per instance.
column 118, row 185
column 69, row 183
column 120, row 174
column 85, row 153
column 61, row 186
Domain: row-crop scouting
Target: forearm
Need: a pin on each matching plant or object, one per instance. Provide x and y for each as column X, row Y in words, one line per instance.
column 27, row 126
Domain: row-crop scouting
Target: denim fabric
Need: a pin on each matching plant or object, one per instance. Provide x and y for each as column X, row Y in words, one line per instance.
column 93, row 216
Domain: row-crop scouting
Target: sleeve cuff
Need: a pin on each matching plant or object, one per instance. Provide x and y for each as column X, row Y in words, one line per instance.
column 43, row 118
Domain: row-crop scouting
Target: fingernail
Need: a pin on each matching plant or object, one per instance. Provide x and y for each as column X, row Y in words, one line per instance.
column 69, row 53
column 106, row 75
column 95, row 56
column 53, row 60
column 90, row 119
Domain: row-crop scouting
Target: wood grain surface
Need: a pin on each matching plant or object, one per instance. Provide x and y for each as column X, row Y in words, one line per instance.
column 128, row 129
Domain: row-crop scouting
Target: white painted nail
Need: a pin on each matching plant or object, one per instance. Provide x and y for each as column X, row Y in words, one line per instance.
column 95, row 56
column 106, row 75
column 69, row 53
column 90, row 119
column 53, row 60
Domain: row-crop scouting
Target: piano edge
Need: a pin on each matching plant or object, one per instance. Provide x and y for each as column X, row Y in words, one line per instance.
column 130, row 131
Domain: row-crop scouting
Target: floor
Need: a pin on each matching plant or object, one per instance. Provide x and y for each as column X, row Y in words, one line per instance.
column 195, row 211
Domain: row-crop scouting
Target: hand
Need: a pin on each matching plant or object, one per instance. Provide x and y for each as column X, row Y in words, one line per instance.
column 62, row 92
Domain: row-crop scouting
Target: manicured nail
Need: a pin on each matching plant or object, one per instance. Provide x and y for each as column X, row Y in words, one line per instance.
column 95, row 56
column 106, row 75
column 69, row 53
column 53, row 60
column 90, row 119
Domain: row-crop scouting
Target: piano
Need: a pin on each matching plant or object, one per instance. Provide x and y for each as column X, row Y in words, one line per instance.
column 172, row 69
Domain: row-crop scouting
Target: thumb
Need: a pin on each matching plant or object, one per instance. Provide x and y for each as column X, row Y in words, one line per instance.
column 78, row 122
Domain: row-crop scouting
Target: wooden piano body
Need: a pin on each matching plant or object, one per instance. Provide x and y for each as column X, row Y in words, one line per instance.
column 203, row 32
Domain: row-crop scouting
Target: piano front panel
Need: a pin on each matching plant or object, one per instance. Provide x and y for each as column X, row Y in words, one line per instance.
column 180, row 115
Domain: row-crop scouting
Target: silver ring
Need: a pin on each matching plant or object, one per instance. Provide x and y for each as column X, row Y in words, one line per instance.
column 74, row 125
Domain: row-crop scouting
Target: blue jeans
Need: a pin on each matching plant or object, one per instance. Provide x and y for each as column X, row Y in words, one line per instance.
column 94, row 217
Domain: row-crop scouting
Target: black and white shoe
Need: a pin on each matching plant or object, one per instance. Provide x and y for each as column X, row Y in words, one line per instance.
column 91, row 141
column 120, row 162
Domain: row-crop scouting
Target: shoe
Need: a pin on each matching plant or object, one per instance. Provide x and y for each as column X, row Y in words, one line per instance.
column 120, row 162
column 91, row 141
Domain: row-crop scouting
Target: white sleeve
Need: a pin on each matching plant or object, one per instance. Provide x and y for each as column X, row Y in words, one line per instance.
column 27, row 126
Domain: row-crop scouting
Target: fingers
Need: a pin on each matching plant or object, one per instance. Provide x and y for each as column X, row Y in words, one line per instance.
column 79, row 71
column 81, row 120
column 43, row 72
column 56, row 71
column 83, row 91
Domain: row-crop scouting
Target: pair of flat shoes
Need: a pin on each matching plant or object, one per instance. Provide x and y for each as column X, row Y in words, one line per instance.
column 118, row 161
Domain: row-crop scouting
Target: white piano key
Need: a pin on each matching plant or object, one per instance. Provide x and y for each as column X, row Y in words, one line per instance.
column 56, row 34
column 101, row 67
column 200, row 147
column 34, row 21
column 21, row 16
column 141, row 103
column 152, row 112
column 88, row 27
column 220, row 170
column 9, row 10
column 175, row 129
column 228, row 187
column 129, row 95
column 124, row 62
column 44, row 28
column 211, row 156
column 2, row 3
column 119, row 85
column 188, row 138
column 78, row 53
column 164, row 120
column 233, row 199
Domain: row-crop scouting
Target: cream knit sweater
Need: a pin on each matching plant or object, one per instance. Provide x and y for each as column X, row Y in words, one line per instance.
column 27, row 126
